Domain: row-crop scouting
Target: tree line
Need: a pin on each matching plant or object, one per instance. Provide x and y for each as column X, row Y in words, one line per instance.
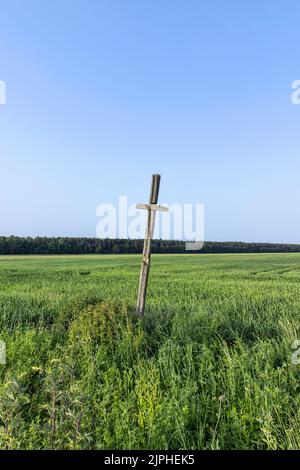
column 70, row 245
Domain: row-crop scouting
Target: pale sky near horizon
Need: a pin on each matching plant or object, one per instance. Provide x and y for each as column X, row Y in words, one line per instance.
column 100, row 94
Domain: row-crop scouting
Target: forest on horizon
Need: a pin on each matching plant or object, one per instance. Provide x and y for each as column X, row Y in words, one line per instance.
column 81, row 245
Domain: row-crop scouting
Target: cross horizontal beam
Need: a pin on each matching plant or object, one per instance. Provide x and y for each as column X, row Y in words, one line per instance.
column 152, row 207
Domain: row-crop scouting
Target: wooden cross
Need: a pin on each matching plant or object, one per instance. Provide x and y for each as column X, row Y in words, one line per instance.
column 152, row 207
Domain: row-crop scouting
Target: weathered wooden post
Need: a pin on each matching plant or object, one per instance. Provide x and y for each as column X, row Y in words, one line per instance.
column 152, row 207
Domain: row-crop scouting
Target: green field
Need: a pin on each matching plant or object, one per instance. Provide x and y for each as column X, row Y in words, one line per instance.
column 208, row 367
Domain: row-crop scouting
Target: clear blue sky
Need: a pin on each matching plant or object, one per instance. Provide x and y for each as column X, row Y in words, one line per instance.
column 100, row 94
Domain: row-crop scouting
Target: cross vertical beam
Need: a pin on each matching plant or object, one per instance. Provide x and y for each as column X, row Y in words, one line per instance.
column 152, row 207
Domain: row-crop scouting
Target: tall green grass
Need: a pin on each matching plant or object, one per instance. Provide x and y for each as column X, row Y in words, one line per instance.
column 208, row 367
